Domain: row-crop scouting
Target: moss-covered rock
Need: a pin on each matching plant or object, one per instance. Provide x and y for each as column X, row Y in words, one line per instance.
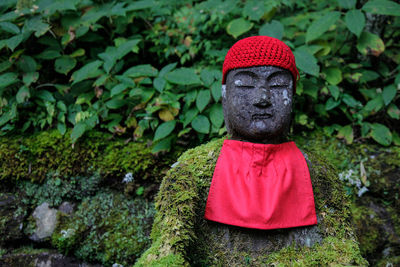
column 30, row 257
column 12, row 214
column 182, row 237
column 107, row 228
column 33, row 157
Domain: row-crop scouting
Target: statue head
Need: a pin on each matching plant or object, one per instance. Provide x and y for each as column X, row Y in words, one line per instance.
column 259, row 80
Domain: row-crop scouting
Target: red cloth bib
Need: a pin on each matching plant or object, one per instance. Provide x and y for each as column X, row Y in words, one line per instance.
column 262, row 186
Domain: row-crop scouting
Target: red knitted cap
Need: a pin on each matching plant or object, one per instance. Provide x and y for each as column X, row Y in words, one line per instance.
column 260, row 51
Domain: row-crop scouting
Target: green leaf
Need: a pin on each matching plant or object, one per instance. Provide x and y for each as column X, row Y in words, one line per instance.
column 36, row 25
column 273, row 29
column 381, row 134
column 162, row 145
column 207, row 77
column 5, row 65
column 48, row 54
column 190, row 97
column 370, row 44
column 138, row 5
column 202, row 100
column 167, row 69
column 374, row 105
column 112, row 54
column 217, row 115
column 238, row 26
column 334, row 90
column 396, row 139
column 254, row 9
column 346, row 132
column 9, row 27
column 78, row 130
column 350, row 101
column 306, row 61
column 14, row 41
column 333, row 75
column 23, row 94
column 183, row 76
column 159, row 83
column 61, row 106
column 9, row 115
column 78, row 53
column 201, row 124
column 27, row 64
column 8, row 78
column 115, row 103
column 189, row 116
column 118, row 89
column 145, row 70
column 355, row 21
column 348, row 4
column 389, row 92
column 88, row 71
column 216, row 90
column 45, row 95
column 164, row 130
column 382, row 7
column 61, row 128
column 30, row 77
column 393, row 111
column 331, row 104
column 64, row 64
column 321, row 25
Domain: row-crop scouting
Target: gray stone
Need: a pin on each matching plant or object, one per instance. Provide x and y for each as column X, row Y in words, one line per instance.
column 67, row 207
column 41, row 259
column 46, row 221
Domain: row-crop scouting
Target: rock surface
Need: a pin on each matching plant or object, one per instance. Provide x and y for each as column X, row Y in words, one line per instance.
column 41, row 259
column 12, row 213
column 46, row 222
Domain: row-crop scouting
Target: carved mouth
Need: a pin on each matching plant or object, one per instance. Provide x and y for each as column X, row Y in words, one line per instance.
column 262, row 116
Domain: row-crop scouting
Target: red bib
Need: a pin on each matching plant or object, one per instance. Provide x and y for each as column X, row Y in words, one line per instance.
column 262, row 186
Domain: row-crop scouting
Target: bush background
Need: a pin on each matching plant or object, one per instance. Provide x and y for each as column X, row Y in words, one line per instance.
column 151, row 70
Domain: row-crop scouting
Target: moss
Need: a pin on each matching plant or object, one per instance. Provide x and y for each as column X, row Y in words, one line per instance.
column 386, row 262
column 367, row 225
column 32, row 157
column 12, row 213
column 180, row 230
column 106, row 228
column 332, row 252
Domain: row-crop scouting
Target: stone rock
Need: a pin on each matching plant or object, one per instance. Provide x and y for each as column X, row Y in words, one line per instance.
column 67, row 207
column 12, row 213
column 46, row 221
column 41, row 259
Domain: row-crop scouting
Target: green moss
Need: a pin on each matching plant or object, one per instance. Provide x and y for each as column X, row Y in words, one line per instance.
column 332, row 252
column 179, row 229
column 32, row 157
column 106, row 228
column 367, row 226
column 55, row 189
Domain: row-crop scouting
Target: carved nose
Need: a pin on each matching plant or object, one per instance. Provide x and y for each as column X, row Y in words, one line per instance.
column 263, row 98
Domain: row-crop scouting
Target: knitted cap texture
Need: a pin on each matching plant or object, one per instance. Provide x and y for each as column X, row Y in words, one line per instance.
column 260, row 51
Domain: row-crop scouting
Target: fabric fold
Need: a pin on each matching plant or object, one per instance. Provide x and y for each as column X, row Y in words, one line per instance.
column 262, row 186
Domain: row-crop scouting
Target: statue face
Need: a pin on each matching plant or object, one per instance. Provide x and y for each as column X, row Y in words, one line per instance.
column 257, row 103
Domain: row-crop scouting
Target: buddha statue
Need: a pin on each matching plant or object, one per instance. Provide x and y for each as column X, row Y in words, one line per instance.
column 253, row 198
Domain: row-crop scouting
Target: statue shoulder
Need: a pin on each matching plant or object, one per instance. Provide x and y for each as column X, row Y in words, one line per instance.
column 199, row 161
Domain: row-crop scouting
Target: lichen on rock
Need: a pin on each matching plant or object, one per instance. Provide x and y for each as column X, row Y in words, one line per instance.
column 182, row 237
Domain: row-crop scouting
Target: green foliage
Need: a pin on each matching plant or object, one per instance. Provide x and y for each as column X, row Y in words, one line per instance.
column 55, row 190
column 107, row 228
column 128, row 67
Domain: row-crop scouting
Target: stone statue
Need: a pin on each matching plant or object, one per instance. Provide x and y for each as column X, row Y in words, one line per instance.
column 257, row 98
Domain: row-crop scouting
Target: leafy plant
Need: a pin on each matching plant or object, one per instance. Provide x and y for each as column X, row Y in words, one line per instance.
column 151, row 69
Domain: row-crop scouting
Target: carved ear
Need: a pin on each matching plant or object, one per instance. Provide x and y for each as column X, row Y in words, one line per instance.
column 223, row 91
